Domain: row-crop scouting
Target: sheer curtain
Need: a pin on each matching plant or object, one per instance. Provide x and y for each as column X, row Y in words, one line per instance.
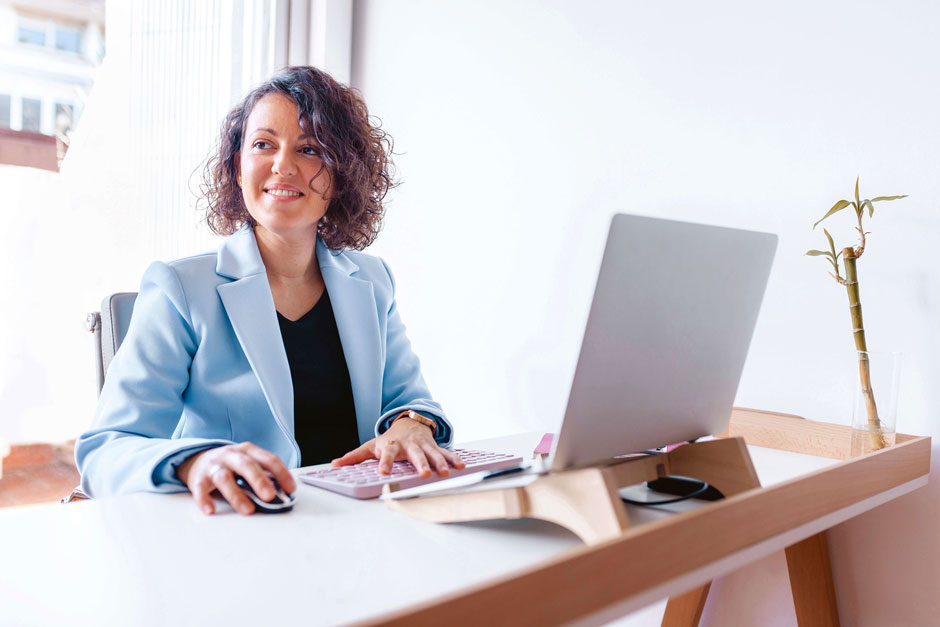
column 173, row 69
column 127, row 191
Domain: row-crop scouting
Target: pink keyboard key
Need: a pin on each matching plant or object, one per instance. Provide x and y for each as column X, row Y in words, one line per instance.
column 363, row 481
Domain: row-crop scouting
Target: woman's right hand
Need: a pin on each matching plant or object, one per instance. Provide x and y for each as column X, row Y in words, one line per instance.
column 215, row 469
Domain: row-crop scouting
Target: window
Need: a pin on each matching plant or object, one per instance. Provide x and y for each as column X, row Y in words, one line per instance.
column 31, row 34
column 68, row 39
column 64, row 118
column 4, row 111
column 32, row 114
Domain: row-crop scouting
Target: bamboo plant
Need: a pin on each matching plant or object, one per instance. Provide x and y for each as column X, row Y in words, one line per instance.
column 850, row 257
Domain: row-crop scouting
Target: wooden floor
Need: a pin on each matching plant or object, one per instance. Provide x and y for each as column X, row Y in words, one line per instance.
column 37, row 473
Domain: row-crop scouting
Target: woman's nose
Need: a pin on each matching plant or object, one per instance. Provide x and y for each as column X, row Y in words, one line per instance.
column 284, row 163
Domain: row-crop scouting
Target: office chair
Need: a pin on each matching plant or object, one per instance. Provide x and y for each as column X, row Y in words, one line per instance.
column 108, row 328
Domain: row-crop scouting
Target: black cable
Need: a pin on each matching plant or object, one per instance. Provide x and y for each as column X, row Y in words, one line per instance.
column 669, row 485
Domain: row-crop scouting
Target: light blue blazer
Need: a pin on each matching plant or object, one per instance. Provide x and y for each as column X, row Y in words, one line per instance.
column 203, row 364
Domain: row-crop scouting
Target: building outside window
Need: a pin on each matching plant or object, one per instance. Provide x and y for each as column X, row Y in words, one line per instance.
column 32, row 115
column 50, row 56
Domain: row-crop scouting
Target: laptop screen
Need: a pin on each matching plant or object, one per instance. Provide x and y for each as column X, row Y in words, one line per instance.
column 674, row 309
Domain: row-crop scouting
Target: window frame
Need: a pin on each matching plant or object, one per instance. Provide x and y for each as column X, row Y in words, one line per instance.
column 9, row 122
column 23, row 100
column 40, row 26
column 58, row 27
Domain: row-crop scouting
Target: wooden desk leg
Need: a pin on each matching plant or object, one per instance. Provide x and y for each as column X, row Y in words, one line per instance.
column 814, row 594
column 685, row 610
column 726, row 465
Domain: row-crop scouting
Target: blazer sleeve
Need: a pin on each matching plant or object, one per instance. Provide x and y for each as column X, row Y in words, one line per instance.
column 403, row 387
column 130, row 446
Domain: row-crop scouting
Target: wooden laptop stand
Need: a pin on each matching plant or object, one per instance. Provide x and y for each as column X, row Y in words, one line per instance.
column 586, row 501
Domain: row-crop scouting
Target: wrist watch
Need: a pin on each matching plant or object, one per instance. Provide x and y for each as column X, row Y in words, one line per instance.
column 413, row 415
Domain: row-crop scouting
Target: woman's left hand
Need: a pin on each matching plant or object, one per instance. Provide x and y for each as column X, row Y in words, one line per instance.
column 405, row 439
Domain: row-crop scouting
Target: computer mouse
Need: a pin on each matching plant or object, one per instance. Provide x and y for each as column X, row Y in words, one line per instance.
column 282, row 501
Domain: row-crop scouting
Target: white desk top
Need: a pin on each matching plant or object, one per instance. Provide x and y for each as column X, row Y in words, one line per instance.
column 149, row 559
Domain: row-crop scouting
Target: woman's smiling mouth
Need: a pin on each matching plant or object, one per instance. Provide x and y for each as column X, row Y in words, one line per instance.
column 283, row 191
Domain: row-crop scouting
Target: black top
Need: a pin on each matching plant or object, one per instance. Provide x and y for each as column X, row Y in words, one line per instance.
column 324, row 413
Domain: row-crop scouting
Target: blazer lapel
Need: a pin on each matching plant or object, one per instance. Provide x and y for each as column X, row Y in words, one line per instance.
column 250, row 308
column 357, row 321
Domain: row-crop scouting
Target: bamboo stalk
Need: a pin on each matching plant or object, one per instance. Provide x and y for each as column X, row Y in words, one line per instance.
column 858, row 331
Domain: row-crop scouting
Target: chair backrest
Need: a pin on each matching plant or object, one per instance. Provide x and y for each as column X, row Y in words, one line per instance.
column 108, row 327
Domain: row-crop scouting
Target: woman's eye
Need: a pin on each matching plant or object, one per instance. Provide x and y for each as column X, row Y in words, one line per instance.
column 310, row 150
column 260, row 145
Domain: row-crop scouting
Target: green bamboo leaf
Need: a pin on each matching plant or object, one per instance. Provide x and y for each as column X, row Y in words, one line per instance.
column 857, row 203
column 818, row 253
column 832, row 245
column 839, row 206
column 880, row 198
column 835, row 266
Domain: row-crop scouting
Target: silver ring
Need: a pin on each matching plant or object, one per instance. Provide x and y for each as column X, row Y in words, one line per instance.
column 214, row 468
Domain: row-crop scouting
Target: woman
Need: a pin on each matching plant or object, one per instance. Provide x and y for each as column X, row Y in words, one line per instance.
column 280, row 349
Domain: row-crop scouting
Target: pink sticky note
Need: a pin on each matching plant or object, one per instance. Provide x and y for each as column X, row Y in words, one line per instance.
column 545, row 445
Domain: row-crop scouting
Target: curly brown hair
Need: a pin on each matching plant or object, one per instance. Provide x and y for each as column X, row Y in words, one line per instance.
column 356, row 151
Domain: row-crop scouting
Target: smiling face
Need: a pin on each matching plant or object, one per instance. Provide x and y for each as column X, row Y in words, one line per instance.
column 283, row 181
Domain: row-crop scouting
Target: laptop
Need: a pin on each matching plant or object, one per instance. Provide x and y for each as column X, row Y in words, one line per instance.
column 673, row 313
column 667, row 335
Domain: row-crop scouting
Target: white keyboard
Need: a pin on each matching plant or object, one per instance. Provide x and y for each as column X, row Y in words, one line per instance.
column 363, row 481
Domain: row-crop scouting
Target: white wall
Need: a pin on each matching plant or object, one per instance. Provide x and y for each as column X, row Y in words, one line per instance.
column 525, row 125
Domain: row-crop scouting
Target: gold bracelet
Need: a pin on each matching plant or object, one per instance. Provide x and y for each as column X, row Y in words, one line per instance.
column 413, row 415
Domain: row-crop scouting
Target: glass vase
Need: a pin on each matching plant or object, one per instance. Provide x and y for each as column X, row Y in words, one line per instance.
column 874, row 417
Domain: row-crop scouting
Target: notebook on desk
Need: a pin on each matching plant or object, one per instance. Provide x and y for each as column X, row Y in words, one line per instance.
column 667, row 335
